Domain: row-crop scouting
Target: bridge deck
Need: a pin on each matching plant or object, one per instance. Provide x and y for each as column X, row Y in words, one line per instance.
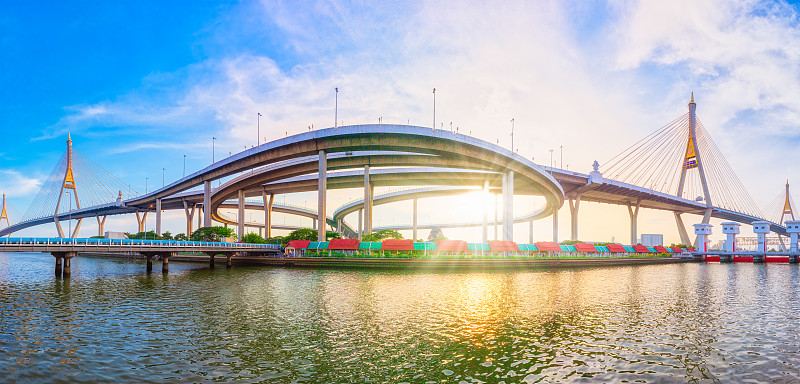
column 33, row 244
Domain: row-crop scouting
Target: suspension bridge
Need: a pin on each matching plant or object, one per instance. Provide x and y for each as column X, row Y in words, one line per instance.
column 678, row 168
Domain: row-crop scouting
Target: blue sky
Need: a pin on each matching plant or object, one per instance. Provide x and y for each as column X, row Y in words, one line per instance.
column 140, row 84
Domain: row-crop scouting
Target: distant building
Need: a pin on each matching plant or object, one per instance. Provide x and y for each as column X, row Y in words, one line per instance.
column 115, row 235
column 651, row 240
column 436, row 233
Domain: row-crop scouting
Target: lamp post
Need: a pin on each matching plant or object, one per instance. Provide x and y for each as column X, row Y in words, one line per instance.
column 145, row 184
column 551, row 158
column 162, row 177
column 336, row 111
column 184, row 165
column 562, row 155
column 434, row 108
column 258, row 132
column 213, row 140
column 512, row 135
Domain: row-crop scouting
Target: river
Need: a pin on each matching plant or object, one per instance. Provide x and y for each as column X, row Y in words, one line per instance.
column 112, row 322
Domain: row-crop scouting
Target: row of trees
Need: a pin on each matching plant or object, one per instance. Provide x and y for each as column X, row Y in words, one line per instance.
column 201, row 234
column 218, row 233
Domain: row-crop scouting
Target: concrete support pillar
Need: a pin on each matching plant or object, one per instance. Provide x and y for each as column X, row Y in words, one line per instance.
column 268, row 200
column 414, row 221
column 682, row 231
column 634, row 215
column 761, row 228
column 228, row 261
column 149, row 262
column 508, row 206
column 207, row 203
column 199, row 217
column 67, row 269
column 339, row 227
column 189, row 216
column 702, row 231
column 321, row 195
column 100, row 224
column 731, row 230
column 59, row 266
column 367, row 202
column 485, row 233
column 574, row 204
column 793, row 228
column 555, row 226
column 211, row 260
column 240, row 217
column 141, row 220
column 530, row 237
column 314, row 224
column 165, row 262
column 496, row 211
column 158, row 217
column 360, row 222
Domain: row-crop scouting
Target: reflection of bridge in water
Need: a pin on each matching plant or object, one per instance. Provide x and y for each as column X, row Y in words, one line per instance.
column 678, row 169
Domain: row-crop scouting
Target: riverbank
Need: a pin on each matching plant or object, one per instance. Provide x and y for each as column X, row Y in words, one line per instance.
column 432, row 263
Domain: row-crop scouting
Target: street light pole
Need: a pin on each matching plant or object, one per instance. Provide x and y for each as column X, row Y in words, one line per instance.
column 162, row 177
column 336, row 111
column 551, row 158
column 434, row 108
column 512, row 135
column 258, row 133
column 213, row 140
column 184, row 165
column 562, row 156
column 145, row 185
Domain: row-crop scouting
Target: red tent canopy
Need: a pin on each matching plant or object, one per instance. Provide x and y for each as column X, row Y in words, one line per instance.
column 691, row 249
column 503, row 246
column 677, row 249
column 585, row 247
column 451, row 245
column 548, row 246
column 641, row 248
column 299, row 244
column 343, row 244
column 615, row 248
column 398, row 245
column 660, row 248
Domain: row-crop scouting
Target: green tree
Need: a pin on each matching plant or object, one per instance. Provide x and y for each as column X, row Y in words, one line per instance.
column 149, row 235
column 276, row 240
column 167, row 236
column 253, row 238
column 212, row 234
column 181, row 237
column 308, row 234
column 381, row 235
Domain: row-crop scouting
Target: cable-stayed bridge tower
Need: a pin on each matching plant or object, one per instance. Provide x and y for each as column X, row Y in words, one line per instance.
column 693, row 161
column 68, row 184
column 681, row 160
column 75, row 186
column 4, row 213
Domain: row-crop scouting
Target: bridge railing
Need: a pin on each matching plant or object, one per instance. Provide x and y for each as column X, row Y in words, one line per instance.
column 89, row 242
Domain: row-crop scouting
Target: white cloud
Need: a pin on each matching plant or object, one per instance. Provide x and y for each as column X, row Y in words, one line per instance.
column 493, row 62
column 15, row 184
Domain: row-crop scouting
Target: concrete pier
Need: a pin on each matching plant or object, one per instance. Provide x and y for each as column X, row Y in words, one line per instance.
column 58, row 264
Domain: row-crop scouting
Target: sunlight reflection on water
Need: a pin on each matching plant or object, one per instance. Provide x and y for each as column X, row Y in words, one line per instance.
column 681, row 322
